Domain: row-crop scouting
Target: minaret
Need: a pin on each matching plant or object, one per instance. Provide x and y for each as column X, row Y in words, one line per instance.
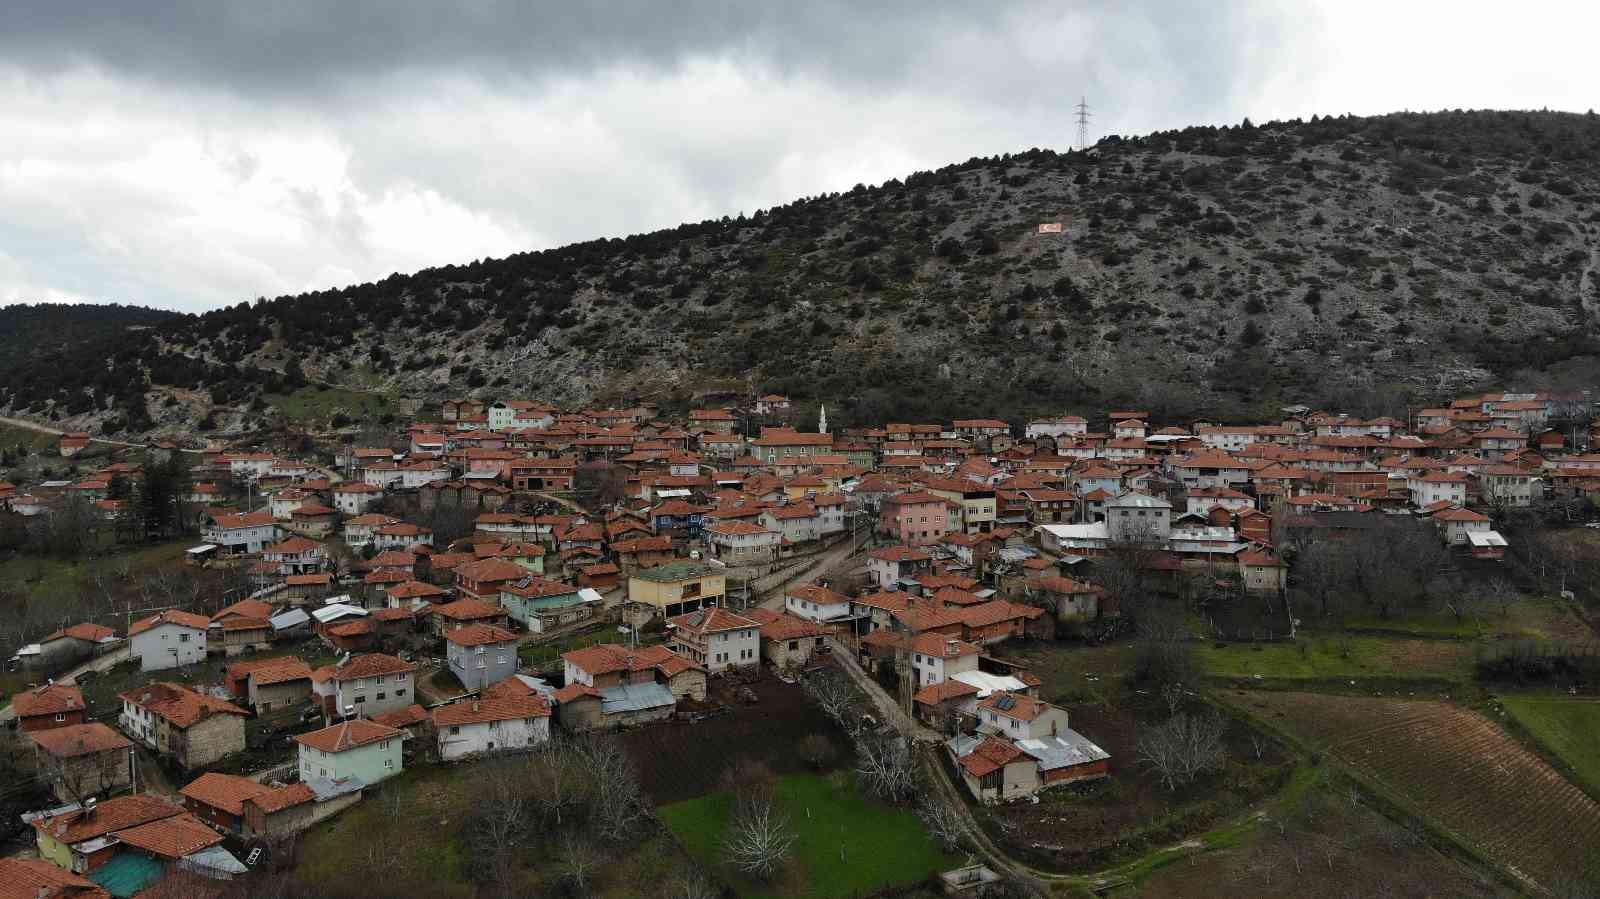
column 822, row 420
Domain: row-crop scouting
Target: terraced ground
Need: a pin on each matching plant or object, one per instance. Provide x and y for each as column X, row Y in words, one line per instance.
column 1457, row 770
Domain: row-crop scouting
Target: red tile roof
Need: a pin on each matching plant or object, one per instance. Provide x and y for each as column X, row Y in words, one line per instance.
column 469, row 609
column 990, row 756
column 50, row 699
column 368, row 665
column 501, row 702
column 480, row 635
column 179, row 705
column 224, row 791
column 108, row 816
column 352, row 734
column 79, row 739
column 87, row 632
column 171, row 616
column 31, row 878
column 173, row 837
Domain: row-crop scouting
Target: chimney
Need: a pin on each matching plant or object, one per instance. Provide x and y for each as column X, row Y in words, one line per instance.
column 477, row 706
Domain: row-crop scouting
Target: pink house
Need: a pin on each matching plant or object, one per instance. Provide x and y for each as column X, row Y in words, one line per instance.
column 915, row 519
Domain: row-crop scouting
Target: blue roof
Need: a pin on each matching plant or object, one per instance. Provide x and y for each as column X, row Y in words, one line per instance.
column 127, row 873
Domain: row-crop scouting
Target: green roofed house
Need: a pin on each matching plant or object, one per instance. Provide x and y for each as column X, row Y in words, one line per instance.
column 539, row 603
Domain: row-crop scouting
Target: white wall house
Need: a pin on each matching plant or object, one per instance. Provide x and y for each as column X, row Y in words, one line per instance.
column 816, row 603
column 507, row 717
column 936, row 658
column 245, row 533
column 168, row 640
column 356, row 497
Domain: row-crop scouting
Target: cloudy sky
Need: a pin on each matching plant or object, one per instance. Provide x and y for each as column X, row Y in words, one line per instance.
column 190, row 155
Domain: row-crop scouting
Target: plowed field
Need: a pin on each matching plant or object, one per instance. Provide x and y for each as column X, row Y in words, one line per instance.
column 1458, row 770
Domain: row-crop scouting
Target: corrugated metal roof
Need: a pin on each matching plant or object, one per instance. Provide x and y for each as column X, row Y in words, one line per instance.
column 634, row 698
column 1063, row 751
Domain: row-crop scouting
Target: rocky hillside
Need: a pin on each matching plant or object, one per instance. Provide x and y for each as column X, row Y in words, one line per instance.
column 1363, row 263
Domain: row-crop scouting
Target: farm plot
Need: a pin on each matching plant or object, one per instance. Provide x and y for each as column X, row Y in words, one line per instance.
column 1455, row 769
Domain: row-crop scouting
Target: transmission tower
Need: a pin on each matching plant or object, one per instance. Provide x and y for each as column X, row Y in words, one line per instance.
column 1082, row 119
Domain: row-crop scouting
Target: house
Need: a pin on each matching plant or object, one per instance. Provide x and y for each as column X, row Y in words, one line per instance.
column 48, row 706
column 193, row 729
column 936, row 658
column 481, row 654
column 1070, row 600
column 1262, row 570
column 993, row 769
column 508, row 716
column 942, row 704
column 71, row 645
column 218, row 799
column 676, row 589
column 815, row 602
column 362, row 529
column 82, row 760
column 643, row 552
column 169, row 639
column 1018, row 717
column 296, row 555
column 1138, row 518
column 916, row 518
column 246, row 625
column 272, row 684
column 1506, row 485
column 736, row 542
column 1456, row 523
column 1437, row 487
column 887, row 568
column 715, row 639
column 784, row 443
column 995, row 621
column 355, row 749
column 401, row 535
column 240, row 534
column 80, row 840
column 363, row 686
column 31, row 878
column 540, row 604
column 610, row 686
column 788, row 642
column 356, row 497
column 446, row 617
column 484, row 578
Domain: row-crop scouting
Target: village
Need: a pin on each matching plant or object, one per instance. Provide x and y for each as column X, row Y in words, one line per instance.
column 503, row 576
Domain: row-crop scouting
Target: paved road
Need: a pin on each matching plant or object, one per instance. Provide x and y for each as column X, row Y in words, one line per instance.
column 102, row 663
column 826, row 561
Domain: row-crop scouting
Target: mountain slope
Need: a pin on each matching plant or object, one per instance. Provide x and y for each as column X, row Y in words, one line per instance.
column 1356, row 262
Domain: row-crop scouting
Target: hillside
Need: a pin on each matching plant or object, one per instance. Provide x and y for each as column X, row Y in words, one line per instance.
column 1360, row 263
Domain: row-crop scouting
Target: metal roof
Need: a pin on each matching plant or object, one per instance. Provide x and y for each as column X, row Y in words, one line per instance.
column 292, row 618
column 634, row 698
column 1063, row 751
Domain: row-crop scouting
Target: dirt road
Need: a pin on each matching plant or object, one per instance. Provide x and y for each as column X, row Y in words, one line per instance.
column 102, row 663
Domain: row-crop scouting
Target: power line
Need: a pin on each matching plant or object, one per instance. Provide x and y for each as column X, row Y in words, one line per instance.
column 1083, row 116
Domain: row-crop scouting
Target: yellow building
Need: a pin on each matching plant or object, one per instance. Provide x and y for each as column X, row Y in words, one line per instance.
column 668, row 590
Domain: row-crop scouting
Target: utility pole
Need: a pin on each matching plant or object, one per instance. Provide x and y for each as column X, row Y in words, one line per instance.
column 1082, row 117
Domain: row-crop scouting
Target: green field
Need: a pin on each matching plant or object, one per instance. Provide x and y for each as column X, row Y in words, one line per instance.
column 848, row 846
column 12, row 436
column 49, row 578
column 1324, row 657
column 1568, row 728
column 321, row 403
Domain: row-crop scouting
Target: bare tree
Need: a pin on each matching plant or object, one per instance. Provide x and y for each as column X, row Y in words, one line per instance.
column 946, row 824
column 887, row 768
column 577, row 864
column 1497, row 593
column 501, row 822
column 559, row 781
column 834, row 694
column 1183, row 747
column 817, row 750
column 618, row 806
column 692, row 884
column 759, row 837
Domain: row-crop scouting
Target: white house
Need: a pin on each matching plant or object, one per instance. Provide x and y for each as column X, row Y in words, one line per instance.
column 356, row 497
column 936, row 658
column 168, row 639
column 1506, row 485
column 1455, row 524
column 1438, row 487
column 741, row 542
column 359, row 531
column 716, row 639
column 1137, row 517
column 814, row 602
column 1201, row 500
column 416, row 474
column 243, row 533
column 364, row 685
column 507, row 716
column 1057, row 427
column 1019, row 717
column 886, row 567
column 250, row 466
column 357, row 748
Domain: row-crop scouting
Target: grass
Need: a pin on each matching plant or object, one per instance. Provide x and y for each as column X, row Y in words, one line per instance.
column 1541, row 618
column 848, row 845
column 33, row 441
column 321, row 403
column 434, row 860
column 58, row 579
column 1327, row 657
column 1567, row 728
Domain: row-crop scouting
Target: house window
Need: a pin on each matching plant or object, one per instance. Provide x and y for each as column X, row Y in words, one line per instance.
column 455, row 729
column 388, row 764
column 61, row 716
column 360, row 699
column 183, row 638
column 382, row 696
column 399, row 693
